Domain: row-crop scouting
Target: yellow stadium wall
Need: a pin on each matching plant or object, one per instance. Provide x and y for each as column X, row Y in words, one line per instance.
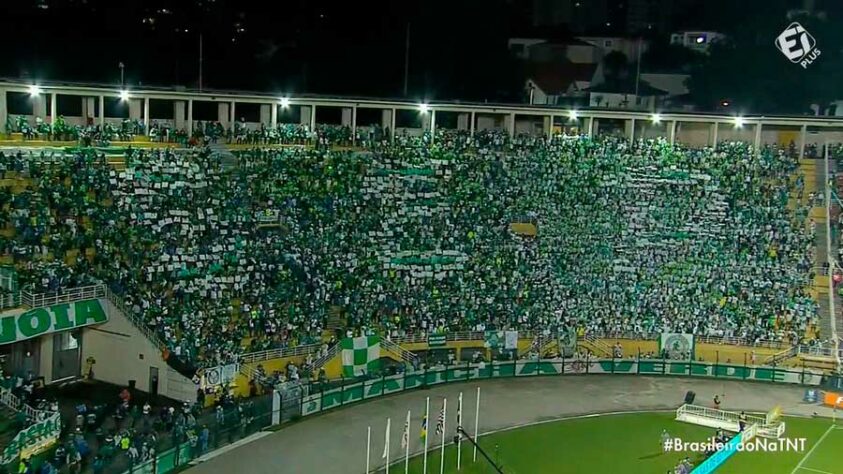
column 708, row 352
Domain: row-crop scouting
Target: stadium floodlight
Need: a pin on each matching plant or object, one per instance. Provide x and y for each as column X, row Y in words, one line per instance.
column 656, row 118
column 739, row 122
column 124, row 95
column 34, row 90
column 285, row 102
column 572, row 115
column 424, row 108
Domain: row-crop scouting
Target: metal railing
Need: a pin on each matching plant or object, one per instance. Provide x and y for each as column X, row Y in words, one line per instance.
column 404, row 354
column 10, row 300
column 71, row 295
column 9, row 399
column 416, row 338
column 120, row 305
column 768, row 430
column 270, row 354
column 599, row 345
column 778, row 357
column 321, row 360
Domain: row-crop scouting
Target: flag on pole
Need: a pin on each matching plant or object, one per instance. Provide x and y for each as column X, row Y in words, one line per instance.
column 440, row 422
column 424, row 432
column 386, row 439
column 405, row 440
column 459, row 435
column 459, row 413
column 405, row 436
column 476, row 424
column 442, row 419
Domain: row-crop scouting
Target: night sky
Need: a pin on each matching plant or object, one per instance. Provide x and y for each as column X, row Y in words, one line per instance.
column 458, row 47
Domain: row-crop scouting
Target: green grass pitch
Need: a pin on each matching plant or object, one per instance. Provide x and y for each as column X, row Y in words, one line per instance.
column 630, row 444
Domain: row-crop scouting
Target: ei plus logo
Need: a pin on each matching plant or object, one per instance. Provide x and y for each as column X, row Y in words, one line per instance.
column 798, row 45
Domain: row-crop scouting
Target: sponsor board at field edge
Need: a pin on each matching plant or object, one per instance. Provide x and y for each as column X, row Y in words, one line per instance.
column 33, row 440
column 678, row 346
column 833, row 399
column 60, row 317
column 386, row 385
column 799, row 46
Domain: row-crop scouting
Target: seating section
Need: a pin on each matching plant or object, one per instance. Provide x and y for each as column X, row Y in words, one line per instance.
column 222, row 256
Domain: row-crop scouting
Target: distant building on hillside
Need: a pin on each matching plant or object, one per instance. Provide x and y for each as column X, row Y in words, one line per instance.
column 697, row 40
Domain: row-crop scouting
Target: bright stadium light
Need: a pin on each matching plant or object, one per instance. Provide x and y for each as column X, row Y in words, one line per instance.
column 34, row 90
column 656, row 118
column 572, row 115
column 124, row 95
column 424, row 108
column 739, row 122
column 285, row 102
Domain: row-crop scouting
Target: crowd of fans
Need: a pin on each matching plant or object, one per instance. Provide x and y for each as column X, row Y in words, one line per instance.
column 121, row 431
column 221, row 257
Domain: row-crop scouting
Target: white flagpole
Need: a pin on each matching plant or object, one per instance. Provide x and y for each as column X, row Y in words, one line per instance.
column 459, row 438
column 368, row 447
column 407, row 445
column 444, row 422
column 476, row 423
column 426, row 431
column 386, row 444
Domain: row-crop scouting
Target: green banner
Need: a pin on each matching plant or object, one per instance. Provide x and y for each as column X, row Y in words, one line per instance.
column 56, row 318
column 677, row 346
column 436, row 340
column 33, row 440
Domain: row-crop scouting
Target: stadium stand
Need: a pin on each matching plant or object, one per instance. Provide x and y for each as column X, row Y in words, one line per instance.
column 283, row 246
column 407, row 237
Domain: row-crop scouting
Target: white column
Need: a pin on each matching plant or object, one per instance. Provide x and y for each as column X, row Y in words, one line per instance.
column 462, row 121
column 38, row 106
column 548, row 127
column 102, row 111
column 135, row 109
column 232, row 115
column 511, row 125
column 353, row 126
column 265, row 114
column 273, row 115
column 53, row 107
column 593, row 127
column 392, row 125
column 146, row 120
column 631, row 132
column 189, row 115
column 471, row 126
column 304, row 115
column 672, row 132
column 312, row 118
column 803, row 137
column 178, row 114
column 345, row 116
column 223, row 114
column 88, row 110
column 432, row 126
column 715, row 127
column 758, row 138
column 4, row 109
